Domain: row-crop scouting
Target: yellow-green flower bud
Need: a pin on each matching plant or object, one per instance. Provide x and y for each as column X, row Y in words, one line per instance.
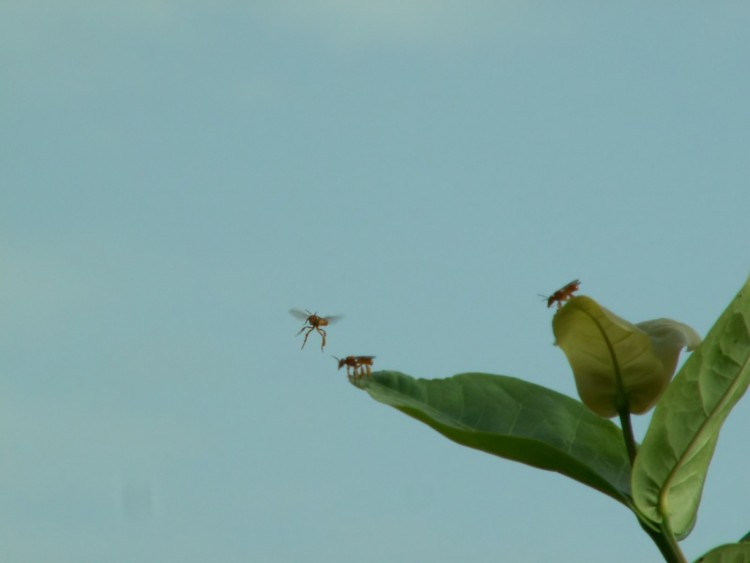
column 618, row 364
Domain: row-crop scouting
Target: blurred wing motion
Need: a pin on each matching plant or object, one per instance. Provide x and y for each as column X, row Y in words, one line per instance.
column 305, row 316
column 301, row 315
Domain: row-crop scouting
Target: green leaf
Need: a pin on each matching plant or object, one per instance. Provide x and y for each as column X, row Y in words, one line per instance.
column 728, row 553
column 516, row 420
column 672, row 463
column 617, row 363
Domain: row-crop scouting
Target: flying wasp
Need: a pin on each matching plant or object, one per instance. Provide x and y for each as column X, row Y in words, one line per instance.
column 313, row 322
column 360, row 365
column 562, row 294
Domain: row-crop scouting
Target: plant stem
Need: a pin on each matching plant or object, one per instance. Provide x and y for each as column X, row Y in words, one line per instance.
column 667, row 534
column 664, row 539
column 622, row 404
column 627, row 432
column 666, row 543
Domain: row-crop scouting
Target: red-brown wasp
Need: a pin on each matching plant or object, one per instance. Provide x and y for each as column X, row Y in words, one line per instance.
column 359, row 364
column 562, row 294
column 313, row 322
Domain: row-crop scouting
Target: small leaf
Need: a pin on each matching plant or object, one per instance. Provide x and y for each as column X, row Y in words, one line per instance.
column 728, row 553
column 615, row 362
column 516, row 420
column 672, row 463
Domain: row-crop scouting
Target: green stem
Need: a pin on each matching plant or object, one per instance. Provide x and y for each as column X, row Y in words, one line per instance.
column 666, row 544
column 663, row 539
column 667, row 534
column 627, row 432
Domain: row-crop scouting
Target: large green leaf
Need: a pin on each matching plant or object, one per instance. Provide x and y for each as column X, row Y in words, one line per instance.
column 729, row 553
column 514, row 419
column 672, row 463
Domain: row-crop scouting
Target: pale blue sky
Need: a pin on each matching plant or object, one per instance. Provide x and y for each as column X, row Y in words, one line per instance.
column 176, row 175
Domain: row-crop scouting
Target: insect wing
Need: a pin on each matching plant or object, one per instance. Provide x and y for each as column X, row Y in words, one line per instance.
column 301, row 315
column 572, row 286
column 333, row 318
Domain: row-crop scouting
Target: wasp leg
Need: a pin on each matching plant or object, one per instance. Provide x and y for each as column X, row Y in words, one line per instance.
column 323, row 334
column 306, row 335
